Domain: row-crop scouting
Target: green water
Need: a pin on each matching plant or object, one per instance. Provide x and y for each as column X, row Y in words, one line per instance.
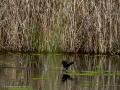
column 44, row 72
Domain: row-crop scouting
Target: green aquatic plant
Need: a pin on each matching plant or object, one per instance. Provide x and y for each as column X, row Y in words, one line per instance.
column 19, row 74
column 11, row 62
column 19, row 53
column 77, row 86
column 56, row 67
column 39, row 78
column 6, row 73
column 35, row 54
column 98, row 66
column 117, row 73
column 58, row 54
column 59, row 86
column 1, row 62
column 85, row 84
column 91, row 73
column 83, row 74
column 14, row 54
column 86, row 54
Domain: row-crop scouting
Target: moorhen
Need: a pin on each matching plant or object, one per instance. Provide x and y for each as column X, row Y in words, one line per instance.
column 67, row 64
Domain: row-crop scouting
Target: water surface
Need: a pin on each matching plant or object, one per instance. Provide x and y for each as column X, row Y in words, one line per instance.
column 44, row 72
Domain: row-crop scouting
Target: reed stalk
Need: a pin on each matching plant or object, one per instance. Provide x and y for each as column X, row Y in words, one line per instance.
column 90, row 26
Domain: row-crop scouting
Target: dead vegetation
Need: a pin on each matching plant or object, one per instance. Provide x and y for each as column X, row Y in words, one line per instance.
column 91, row 26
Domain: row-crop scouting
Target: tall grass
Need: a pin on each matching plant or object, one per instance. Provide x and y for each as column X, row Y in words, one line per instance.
column 91, row 26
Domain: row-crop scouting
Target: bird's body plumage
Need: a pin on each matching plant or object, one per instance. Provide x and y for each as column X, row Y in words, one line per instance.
column 67, row 64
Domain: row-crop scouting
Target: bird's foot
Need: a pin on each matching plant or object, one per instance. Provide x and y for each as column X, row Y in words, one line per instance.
column 64, row 70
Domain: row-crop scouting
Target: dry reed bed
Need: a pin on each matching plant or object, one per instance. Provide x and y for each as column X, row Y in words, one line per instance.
column 91, row 26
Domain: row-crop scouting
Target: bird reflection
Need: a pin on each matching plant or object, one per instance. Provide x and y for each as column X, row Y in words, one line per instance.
column 65, row 77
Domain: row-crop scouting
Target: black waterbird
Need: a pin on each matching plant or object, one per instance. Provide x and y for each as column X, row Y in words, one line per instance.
column 67, row 64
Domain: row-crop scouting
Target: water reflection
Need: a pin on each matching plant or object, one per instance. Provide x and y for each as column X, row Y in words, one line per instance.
column 66, row 77
column 46, row 72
